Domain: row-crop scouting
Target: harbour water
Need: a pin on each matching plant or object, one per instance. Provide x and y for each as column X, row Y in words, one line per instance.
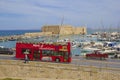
column 11, row 44
column 15, row 32
column 75, row 51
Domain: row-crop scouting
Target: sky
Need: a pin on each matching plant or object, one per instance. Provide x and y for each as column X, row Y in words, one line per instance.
column 33, row 14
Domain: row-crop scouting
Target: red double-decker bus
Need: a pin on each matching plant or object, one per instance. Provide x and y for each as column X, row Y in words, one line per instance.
column 54, row 52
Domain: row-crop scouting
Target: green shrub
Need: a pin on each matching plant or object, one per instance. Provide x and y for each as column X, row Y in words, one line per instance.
column 10, row 79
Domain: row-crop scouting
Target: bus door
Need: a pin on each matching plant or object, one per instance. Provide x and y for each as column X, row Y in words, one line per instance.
column 66, row 56
column 36, row 54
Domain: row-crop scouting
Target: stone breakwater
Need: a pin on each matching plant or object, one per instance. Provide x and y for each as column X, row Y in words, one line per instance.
column 54, row 71
column 11, row 38
column 25, row 36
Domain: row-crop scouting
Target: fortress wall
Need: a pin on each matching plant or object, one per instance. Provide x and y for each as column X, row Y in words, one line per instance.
column 51, row 28
column 66, row 30
column 79, row 30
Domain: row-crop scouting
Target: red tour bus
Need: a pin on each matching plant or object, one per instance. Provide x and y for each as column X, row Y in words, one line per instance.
column 55, row 52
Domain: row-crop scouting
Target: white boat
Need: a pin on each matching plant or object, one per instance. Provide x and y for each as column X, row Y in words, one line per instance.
column 117, row 48
column 1, row 46
column 109, row 44
column 63, row 40
column 74, row 44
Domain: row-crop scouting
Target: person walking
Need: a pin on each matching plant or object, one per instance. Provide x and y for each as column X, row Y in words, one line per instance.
column 26, row 56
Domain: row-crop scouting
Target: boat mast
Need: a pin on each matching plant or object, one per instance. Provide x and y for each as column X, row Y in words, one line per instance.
column 62, row 20
column 102, row 26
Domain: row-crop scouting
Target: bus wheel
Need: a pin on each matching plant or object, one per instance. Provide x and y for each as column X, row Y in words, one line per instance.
column 57, row 60
column 102, row 58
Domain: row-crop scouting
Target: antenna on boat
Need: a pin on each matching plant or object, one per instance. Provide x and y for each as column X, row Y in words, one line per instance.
column 102, row 26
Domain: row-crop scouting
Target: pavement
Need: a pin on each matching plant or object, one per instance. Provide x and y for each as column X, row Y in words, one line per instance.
column 81, row 61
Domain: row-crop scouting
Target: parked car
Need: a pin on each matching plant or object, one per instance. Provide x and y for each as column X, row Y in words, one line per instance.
column 4, row 50
column 97, row 55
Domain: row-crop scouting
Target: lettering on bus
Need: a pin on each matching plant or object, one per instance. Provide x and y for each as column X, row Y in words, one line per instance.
column 47, row 48
column 42, row 47
column 35, row 45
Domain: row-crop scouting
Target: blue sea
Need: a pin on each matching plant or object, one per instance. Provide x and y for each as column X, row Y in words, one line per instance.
column 11, row 44
column 15, row 32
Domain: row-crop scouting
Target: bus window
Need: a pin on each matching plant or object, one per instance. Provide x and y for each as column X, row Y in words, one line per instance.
column 54, row 53
column 36, row 54
column 44, row 53
column 47, row 52
column 58, row 53
column 51, row 53
column 26, row 51
column 61, row 53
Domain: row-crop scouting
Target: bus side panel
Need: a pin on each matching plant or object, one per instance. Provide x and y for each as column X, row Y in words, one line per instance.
column 69, row 52
column 19, row 54
column 69, row 59
column 18, row 51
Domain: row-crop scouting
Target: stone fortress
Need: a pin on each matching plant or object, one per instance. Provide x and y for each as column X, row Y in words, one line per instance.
column 64, row 29
column 59, row 30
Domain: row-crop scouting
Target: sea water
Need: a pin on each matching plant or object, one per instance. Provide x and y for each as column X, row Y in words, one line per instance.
column 15, row 32
column 12, row 44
